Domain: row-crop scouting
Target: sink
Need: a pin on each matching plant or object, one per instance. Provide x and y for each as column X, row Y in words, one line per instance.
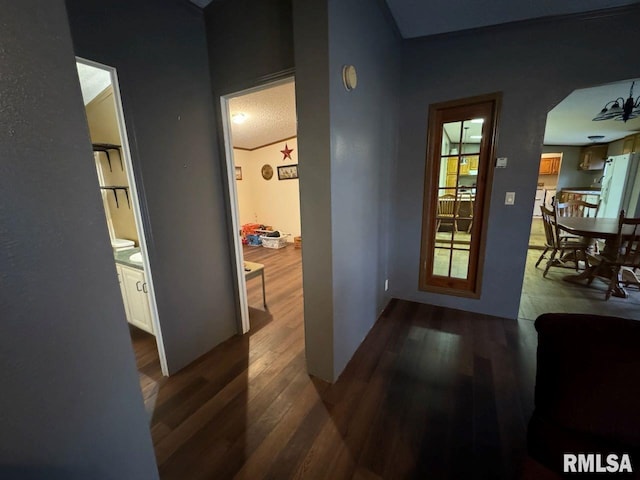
column 136, row 257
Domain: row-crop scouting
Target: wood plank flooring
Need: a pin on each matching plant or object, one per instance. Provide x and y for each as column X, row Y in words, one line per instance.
column 552, row 294
column 431, row 393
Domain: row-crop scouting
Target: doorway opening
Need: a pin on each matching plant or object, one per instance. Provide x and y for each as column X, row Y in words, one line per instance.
column 116, row 181
column 261, row 149
column 573, row 167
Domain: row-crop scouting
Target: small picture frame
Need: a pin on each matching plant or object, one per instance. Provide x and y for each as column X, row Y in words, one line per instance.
column 238, row 173
column 288, row 172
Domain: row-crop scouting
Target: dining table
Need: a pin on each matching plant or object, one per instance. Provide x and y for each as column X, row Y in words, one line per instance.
column 599, row 229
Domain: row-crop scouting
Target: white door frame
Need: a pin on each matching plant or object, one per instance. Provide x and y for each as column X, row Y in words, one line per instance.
column 233, row 194
column 135, row 205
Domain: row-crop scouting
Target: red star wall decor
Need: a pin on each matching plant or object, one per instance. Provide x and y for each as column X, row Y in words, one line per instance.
column 286, row 153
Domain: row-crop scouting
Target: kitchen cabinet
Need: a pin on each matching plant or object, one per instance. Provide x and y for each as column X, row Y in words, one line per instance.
column 539, row 201
column 464, row 167
column 134, row 290
column 549, row 165
column 593, row 157
column 452, row 173
column 469, row 166
column 631, row 144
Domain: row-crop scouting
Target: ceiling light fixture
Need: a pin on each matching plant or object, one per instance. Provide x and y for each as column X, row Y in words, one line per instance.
column 595, row 138
column 463, row 161
column 620, row 108
column 238, row 118
column 477, row 120
column 476, row 137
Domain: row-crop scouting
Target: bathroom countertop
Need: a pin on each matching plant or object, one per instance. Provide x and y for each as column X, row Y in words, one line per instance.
column 122, row 257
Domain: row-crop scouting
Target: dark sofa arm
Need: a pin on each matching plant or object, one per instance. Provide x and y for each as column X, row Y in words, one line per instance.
column 588, row 376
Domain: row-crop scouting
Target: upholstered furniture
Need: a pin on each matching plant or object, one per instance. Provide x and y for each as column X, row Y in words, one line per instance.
column 587, row 392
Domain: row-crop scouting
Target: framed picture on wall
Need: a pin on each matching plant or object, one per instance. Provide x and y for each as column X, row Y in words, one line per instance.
column 238, row 173
column 287, row 172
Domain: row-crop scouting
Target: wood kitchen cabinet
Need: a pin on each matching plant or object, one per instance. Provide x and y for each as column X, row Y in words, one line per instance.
column 593, row 157
column 549, row 165
column 134, row 290
column 631, row 144
column 454, row 167
column 464, row 167
column 452, row 172
column 469, row 165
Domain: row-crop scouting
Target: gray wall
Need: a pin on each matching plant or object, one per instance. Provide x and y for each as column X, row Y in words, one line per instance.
column 160, row 52
column 249, row 41
column 363, row 133
column 70, row 406
column 348, row 140
column 311, row 32
column 570, row 175
column 536, row 65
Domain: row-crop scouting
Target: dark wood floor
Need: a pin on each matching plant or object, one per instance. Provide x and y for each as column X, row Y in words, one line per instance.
column 431, row 393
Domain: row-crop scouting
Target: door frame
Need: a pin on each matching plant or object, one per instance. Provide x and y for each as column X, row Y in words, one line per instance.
column 135, row 205
column 233, row 192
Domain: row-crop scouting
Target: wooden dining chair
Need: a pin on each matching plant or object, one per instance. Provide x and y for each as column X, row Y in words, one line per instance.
column 447, row 211
column 559, row 245
column 466, row 202
column 577, row 208
column 626, row 251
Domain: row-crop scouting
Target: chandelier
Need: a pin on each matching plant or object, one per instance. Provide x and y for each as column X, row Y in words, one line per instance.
column 620, row 108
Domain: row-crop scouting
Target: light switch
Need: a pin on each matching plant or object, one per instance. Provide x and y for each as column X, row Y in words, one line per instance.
column 510, row 198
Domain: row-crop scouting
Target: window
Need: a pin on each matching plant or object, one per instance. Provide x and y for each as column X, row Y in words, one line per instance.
column 459, row 169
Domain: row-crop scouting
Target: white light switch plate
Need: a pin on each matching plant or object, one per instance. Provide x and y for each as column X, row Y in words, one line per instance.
column 510, row 198
column 501, row 162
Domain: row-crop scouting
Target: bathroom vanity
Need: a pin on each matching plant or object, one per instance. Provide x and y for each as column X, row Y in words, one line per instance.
column 133, row 286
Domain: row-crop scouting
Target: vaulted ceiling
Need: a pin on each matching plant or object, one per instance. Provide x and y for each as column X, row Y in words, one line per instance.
column 418, row 18
column 569, row 123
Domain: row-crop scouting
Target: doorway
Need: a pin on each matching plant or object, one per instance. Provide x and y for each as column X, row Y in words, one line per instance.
column 575, row 147
column 117, row 185
column 261, row 150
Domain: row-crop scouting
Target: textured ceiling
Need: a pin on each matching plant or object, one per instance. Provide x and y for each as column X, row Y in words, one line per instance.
column 417, row 18
column 570, row 122
column 270, row 116
column 92, row 81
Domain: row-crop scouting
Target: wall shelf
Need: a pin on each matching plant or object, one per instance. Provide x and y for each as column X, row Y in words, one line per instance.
column 114, row 189
column 106, row 148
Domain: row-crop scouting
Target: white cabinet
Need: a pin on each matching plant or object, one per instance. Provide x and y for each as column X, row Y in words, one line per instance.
column 548, row 196
column 591, row 199
column 539, row 201
column 122, row 290
column 135, row 295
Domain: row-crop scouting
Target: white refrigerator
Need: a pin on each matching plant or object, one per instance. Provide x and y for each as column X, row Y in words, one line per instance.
column 620, row 186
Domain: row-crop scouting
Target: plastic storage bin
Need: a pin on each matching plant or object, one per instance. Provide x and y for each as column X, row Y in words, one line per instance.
column 274, row 242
